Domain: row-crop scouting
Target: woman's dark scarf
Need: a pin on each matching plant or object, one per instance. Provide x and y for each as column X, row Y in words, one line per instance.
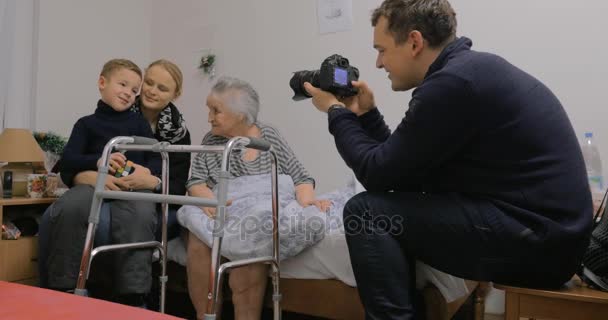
column 171, row 126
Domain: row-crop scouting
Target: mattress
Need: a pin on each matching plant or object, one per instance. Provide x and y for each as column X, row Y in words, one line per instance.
column 329, row 259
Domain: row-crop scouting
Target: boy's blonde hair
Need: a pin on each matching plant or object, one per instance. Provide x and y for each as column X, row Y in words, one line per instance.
column 173, row 70
column 117, row 64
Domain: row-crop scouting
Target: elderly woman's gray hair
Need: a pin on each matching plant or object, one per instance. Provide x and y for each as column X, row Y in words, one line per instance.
column 240, row 97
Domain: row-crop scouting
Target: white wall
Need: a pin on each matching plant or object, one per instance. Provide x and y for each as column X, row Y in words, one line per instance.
column 558, row 41
column 264, row 41
column 76, row 37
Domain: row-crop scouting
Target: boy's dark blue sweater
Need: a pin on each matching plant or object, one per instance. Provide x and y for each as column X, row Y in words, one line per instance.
column 482, row 128
column 91, row 133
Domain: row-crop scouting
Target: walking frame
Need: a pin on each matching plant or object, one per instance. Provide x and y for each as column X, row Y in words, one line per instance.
column 217, row 271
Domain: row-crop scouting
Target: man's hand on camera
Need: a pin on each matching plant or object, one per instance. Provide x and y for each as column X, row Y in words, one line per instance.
column 359, row 104
column 363, row 101
column 321, row 99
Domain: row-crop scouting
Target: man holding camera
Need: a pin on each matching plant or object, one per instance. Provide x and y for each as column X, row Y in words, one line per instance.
column 484, row 171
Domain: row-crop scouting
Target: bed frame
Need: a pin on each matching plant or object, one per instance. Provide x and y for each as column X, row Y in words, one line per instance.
column 332, row 299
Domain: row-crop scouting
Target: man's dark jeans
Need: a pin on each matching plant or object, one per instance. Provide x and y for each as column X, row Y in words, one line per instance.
column 386, row 232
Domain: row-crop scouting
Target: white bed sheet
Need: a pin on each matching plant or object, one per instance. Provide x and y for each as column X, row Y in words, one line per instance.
column 329, row 259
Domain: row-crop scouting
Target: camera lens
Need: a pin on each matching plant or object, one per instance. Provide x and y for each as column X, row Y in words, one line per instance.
column 297, row 83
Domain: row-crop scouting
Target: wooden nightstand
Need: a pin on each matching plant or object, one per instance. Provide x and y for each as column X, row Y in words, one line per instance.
column 575, row 300
column 18, row 258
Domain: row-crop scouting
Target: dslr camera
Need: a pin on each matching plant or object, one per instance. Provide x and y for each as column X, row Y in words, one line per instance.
column 335, row 76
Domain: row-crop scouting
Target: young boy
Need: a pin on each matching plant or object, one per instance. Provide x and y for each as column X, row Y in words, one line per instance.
column 119, row 84
column 131, row 221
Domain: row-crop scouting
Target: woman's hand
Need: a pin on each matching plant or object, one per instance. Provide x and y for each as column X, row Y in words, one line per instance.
column 210, row 211
column 140, row 179
column 202, row 191
column 322, row 204
column 86, row 177
column 115, row 184
column 117, row 160
column 305, row 194
column 90, row 178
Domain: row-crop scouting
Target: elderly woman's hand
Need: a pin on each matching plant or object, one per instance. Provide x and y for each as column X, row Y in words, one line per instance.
column 322, row 204
column 210, row 211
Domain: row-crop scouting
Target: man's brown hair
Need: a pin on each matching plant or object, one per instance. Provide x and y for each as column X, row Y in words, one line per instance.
column 435, row 19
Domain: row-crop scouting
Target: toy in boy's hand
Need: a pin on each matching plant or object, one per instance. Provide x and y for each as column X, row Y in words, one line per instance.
column 125, row 171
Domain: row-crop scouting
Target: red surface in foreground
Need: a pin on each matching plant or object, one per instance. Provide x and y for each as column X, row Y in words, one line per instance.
column 25, row 302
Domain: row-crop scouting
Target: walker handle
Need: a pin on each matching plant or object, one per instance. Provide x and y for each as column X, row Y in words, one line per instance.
column 256, row 143
column 144, row 140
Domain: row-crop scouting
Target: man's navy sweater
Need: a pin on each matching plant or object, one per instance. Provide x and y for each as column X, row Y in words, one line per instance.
column 91, row 133
column 482, row 128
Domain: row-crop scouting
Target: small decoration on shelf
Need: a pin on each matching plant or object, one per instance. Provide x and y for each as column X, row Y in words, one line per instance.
column 50, row 141
column 10, row 231
column 52, row 144
column 207, row 63
column 36, row 185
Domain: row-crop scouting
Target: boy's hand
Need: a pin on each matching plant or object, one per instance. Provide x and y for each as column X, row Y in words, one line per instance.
column 117, row 160
column 140, row 179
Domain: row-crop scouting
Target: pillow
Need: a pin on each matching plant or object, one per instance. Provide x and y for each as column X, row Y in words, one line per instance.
column 248, row 225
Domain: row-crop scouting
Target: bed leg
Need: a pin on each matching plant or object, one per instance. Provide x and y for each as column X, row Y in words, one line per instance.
column 479, row 300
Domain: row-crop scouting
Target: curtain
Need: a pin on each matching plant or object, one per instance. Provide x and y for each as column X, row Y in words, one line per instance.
column 18, row 57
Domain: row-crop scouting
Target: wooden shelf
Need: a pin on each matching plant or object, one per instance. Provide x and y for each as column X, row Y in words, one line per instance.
column 18, row 258
column 20, row 201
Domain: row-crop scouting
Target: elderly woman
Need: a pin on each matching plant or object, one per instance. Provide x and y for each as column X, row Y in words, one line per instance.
column 233, row 108
column 162, row 84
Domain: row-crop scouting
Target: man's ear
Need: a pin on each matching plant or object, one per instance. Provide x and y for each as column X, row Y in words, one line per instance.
column 417, row 42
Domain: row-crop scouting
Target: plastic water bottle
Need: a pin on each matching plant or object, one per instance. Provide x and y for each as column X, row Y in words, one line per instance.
column 593, row 162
